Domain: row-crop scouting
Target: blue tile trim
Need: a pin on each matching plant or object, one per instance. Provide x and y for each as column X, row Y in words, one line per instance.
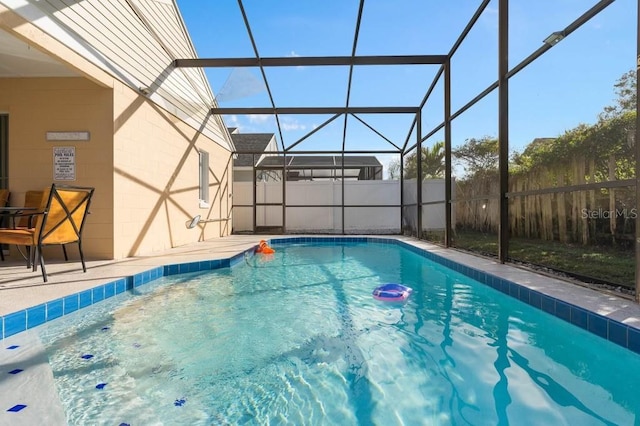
column 633, row 339
column 598, row 325
column 525, row 294
column 535, row 299
column 579, row 317
column 98, row 294
column 618, row 333
column 137, row 280
column 612, row 330
column 171, row 270
column 109, row 290
column 86, row 298
column 15, row 323
column 121, row 286
column 71, row 303
column 36, row 316
column 54, row 309
column 563, row 310
column 548, row 304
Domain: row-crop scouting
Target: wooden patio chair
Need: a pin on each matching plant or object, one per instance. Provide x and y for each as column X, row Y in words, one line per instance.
column 59, row 221
column 32, row 199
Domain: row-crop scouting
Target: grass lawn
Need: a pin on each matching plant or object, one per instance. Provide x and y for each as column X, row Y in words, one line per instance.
column 604, row 263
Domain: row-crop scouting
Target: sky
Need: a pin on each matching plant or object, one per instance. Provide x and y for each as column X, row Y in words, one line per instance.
column 568, row 85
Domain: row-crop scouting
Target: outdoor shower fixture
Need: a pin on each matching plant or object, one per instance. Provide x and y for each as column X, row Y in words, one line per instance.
column 197, row 220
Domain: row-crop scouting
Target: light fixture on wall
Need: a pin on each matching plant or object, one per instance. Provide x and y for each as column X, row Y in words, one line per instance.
column 144, row 90
column 554, row 38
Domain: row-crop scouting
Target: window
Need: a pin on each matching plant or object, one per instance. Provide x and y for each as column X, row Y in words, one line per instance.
column 204, row 179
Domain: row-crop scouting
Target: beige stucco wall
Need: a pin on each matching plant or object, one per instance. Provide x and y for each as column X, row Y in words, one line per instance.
column 156, row 176
column 142, row 161
column 38, row 105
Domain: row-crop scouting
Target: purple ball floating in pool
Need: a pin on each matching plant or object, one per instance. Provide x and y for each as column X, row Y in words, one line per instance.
column 392, row 292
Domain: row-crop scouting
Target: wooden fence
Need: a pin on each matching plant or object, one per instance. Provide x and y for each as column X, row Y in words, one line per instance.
column 573, row 216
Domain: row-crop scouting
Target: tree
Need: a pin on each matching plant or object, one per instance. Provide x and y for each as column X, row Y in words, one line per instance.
column 432, row 163
column 393, row 169
column 477, row 156
column 625, row 89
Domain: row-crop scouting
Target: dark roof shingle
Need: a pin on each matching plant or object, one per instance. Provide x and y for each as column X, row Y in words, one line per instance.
column 249, row 142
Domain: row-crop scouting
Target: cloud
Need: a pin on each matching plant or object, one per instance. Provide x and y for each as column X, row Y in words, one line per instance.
column 290, row 124
column 232, row 121
column 490, row 18
column 259, row 118
column 293, row 54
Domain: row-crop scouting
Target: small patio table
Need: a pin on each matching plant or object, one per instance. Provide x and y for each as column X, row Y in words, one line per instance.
column 11, row 213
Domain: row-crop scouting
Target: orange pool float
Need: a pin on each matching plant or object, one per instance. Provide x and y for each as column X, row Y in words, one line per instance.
column 263, row 247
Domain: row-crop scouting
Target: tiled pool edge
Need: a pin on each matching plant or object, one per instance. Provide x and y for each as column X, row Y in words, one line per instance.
column 25, row 319
column 610, row 329
column 619, row 333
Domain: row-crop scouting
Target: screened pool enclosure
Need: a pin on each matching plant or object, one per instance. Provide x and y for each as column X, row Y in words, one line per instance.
column 519, row 144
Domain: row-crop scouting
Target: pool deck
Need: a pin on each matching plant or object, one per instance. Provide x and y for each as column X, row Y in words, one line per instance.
column 33, row 388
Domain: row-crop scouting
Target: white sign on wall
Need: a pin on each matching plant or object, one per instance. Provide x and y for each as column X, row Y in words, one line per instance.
column 68, row 136
column 64, row 163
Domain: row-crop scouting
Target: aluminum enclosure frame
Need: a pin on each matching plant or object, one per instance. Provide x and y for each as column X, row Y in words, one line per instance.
column 422, row 134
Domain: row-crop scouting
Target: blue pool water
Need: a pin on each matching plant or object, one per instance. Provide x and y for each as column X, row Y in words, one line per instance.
column 297, row 338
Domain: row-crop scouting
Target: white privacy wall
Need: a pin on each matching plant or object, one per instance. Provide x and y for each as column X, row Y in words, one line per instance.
column 433, row 215
column 302, row 216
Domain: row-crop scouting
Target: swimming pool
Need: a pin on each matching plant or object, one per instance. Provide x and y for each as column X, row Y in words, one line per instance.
column 296, row 338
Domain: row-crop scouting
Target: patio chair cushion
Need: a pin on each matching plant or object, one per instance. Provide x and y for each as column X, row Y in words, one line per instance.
column 66, row 213
column 32, row 199
column 19, row 236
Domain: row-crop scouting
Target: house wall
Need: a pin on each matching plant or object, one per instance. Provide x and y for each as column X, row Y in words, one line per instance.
column 156, row 175
column 142, row 158
column 135, row 42
column 38, row 105
column 142, row 161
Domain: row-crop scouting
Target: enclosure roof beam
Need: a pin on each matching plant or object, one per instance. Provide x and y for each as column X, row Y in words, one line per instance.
column 301, row 61
column 262, row 71
column 315, row 110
